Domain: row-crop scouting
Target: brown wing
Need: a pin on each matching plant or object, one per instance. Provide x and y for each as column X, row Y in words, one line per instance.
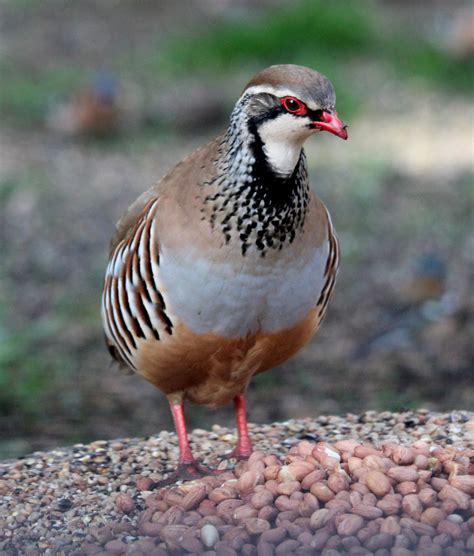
column 131, row 217
column 178, row 184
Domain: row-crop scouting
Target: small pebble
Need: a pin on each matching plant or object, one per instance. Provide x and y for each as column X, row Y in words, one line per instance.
column 209, row 535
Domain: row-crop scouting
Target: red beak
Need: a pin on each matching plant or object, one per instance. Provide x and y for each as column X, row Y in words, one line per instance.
column 332, row 123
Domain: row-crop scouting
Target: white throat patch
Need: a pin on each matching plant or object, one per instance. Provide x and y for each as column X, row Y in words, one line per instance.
column 283, row 139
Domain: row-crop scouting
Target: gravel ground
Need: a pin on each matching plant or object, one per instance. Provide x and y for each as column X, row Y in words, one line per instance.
column 92, row 498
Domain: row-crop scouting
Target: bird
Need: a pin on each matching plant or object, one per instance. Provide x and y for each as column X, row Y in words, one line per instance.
column 224, row 268
column 94, row 111
column 426, row 282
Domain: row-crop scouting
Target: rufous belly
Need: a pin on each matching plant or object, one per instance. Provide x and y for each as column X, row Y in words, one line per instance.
column 210, row 369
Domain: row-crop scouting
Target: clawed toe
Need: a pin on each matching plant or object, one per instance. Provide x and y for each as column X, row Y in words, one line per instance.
column 186, row 472
column 239, row 455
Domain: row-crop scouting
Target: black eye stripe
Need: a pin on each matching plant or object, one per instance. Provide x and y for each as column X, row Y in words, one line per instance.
column 315, row 115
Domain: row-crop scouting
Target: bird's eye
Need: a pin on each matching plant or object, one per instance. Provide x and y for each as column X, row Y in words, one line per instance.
column 294, row 106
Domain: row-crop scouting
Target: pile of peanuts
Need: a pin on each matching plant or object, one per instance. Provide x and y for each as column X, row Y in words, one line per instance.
column 329, row 499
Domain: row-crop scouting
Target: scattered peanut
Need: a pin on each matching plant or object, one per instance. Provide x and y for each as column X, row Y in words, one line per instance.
column 344, row 498
column 378, row 482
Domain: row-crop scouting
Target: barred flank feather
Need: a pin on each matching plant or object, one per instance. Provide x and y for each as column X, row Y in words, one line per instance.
column 330, row 272
column 133, row 308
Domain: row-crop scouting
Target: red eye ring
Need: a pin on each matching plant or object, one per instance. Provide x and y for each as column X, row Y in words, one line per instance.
column 294, row 106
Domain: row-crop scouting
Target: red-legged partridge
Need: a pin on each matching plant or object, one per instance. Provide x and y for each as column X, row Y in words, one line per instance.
column 224, row 268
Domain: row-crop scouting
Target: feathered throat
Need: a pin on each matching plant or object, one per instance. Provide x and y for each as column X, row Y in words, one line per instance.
column 247, row 200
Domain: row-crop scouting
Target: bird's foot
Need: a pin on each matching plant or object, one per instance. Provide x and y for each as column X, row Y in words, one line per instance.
column 189, row 471
column 239, row 453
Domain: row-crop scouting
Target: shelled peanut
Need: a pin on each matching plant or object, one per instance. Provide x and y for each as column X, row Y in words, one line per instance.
column 343, row 498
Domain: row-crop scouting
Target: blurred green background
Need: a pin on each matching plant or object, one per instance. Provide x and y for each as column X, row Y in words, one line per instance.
column 162, row 77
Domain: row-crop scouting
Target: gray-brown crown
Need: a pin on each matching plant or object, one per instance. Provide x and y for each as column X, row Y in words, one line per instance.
column 306, row 84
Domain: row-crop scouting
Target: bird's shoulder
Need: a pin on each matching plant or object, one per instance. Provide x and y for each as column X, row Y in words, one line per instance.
column 177, row 186
column 318, row 225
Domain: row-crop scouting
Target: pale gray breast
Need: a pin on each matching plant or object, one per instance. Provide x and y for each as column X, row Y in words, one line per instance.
column 234, row 295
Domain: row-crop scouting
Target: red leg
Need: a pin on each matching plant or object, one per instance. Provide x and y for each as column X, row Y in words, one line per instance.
column 244, row 446
column 185, row 454
column 188, row 468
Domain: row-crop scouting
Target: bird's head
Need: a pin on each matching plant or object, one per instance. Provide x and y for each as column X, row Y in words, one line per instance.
column 284, row 105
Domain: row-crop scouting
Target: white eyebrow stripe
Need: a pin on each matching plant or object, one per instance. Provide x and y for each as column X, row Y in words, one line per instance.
column 278, row 92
